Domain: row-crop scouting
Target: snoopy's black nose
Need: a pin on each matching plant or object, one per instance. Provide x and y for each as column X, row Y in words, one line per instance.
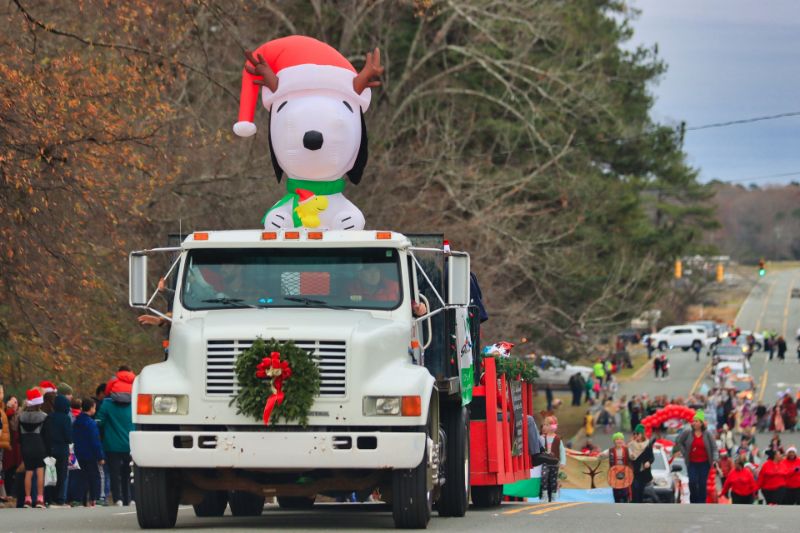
column 312, row 140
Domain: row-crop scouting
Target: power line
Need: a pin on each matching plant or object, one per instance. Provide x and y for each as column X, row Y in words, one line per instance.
column 743, row 121
column 757, row 178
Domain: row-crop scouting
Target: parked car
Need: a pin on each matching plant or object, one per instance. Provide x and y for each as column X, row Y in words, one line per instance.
column 662, row 490
column 630, row 335
column 712, row 328
column 556, row 372
column 684, row 337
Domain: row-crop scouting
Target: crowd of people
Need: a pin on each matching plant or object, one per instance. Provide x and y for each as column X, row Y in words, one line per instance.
column 61, row 450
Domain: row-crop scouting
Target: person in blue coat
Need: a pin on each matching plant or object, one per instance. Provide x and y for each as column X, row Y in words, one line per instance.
column 89, row 452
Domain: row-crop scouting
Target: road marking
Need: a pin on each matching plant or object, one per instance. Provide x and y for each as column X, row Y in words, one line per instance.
column 556, row 508
column 700, row 377
column 529, row 507
column 764, row 308
column 763, row 386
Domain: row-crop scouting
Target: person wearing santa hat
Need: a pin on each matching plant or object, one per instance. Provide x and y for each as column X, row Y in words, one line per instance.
column 32, row 444
column 317, row 134
column 791, row 469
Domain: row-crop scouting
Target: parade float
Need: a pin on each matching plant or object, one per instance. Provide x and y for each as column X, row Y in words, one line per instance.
column 311, row 357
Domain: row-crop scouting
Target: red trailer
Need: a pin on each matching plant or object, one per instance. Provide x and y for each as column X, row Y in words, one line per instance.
column 498, row 434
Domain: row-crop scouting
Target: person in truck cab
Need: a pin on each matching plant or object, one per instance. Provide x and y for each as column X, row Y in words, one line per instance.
column 376, row 285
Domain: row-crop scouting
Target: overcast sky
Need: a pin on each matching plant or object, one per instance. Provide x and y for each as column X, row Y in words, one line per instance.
column 729, row 60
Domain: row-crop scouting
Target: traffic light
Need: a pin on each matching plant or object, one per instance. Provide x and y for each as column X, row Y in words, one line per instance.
column 762, row 270
column 678, row 269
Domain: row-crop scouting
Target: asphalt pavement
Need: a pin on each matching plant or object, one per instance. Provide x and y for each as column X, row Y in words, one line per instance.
column 510, row 517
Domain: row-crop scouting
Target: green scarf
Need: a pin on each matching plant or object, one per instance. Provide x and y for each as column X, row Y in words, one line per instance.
column 323, row 188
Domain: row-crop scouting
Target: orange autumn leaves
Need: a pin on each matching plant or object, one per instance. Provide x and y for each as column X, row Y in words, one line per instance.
column 83, row 132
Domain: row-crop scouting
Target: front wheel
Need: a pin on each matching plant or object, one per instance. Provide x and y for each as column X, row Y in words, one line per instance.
column 758, row 347
column 157, row 498
column 662, row 346
column 486, row 496
column 246, row 503
column 454, row 498
column 697, row 346
column 411, row 498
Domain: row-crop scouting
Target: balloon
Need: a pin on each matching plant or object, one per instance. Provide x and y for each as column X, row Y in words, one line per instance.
column 317, row 134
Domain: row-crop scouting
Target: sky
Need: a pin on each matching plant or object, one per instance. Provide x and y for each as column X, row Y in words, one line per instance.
column 729, row 60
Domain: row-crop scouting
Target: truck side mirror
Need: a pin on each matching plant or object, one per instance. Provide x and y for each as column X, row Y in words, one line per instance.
column 458, row 279
column 137, row 279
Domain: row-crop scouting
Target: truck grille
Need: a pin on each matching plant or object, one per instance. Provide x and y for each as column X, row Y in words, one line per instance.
column 221, row 354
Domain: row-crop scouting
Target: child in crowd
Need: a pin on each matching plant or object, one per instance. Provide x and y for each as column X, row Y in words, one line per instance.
column 618, row 456
column 89, row 451
column 588, row 424
column 32, row 444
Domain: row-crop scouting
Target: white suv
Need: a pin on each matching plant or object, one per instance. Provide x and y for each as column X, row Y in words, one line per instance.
column 685, row 337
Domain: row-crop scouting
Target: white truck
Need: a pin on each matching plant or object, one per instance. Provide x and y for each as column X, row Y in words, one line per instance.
column 392, row 411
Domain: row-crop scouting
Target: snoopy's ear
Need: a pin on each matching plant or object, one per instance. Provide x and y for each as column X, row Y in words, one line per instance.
column 275, row 165
column 361, row 159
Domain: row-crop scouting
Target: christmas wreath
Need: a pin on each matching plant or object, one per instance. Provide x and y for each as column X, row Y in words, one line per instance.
column 514, row 368
column 276, row 381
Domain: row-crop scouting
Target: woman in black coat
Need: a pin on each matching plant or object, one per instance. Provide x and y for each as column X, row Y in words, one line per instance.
column 640, row 451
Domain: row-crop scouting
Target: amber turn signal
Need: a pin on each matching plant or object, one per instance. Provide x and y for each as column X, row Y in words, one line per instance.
column 144, row 404
column 411, row 406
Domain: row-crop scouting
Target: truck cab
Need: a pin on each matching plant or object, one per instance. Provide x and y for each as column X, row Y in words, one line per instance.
column 391, row 410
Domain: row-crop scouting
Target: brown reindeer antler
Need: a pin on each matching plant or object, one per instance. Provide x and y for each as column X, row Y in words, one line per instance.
column 372, row 70
column 257, row 66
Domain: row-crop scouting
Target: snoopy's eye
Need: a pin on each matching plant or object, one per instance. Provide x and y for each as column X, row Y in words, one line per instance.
column 347, row 106
column 281, row 106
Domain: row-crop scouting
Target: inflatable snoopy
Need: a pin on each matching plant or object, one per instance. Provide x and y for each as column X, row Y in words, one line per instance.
column 317, row 134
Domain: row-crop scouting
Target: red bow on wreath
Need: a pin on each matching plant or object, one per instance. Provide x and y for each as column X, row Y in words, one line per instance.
column 278, row 371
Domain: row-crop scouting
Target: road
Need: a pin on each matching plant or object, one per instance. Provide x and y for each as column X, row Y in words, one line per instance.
column 511, row 518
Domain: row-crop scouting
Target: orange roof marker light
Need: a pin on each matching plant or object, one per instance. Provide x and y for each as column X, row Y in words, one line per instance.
column 201, row 235
column 269, row 235
column 383, row 235
column 293, row 235
column 314, row 235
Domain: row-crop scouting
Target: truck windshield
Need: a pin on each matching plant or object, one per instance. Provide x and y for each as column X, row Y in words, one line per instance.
column 360, row 278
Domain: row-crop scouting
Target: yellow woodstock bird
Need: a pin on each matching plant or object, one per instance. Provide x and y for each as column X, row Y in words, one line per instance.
column 309, row 206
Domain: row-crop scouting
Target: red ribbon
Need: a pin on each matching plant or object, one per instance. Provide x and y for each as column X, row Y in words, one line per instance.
column 272, row 367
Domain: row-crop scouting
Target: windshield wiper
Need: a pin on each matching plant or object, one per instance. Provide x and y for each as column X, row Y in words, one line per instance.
column 312, row 302
column 234, row 302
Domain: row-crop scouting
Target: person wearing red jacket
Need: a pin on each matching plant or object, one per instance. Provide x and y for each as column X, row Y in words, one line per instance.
column 791, row 469
column 741, row 484
column 772, row 478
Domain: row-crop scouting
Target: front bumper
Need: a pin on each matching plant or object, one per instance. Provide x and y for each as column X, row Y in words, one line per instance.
column 284, row 450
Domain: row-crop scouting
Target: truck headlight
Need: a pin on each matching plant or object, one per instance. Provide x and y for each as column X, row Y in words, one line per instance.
column 170, row 404
column 392, row 406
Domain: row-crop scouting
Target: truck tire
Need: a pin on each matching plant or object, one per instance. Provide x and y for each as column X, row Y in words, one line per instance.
column 454, row 497
column 411, row 499
column 246, row 503
column 296, row 502
column 663, row 346
column 486, row 496
column 157, row 498
column 213, row 504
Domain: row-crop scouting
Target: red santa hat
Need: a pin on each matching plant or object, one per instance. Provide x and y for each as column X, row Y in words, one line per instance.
column 301, row 63
column 303, row 195
column 34, row 397
column 47, row 386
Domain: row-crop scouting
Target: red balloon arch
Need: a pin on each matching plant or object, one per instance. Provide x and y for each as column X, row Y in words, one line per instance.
column 667, row 412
